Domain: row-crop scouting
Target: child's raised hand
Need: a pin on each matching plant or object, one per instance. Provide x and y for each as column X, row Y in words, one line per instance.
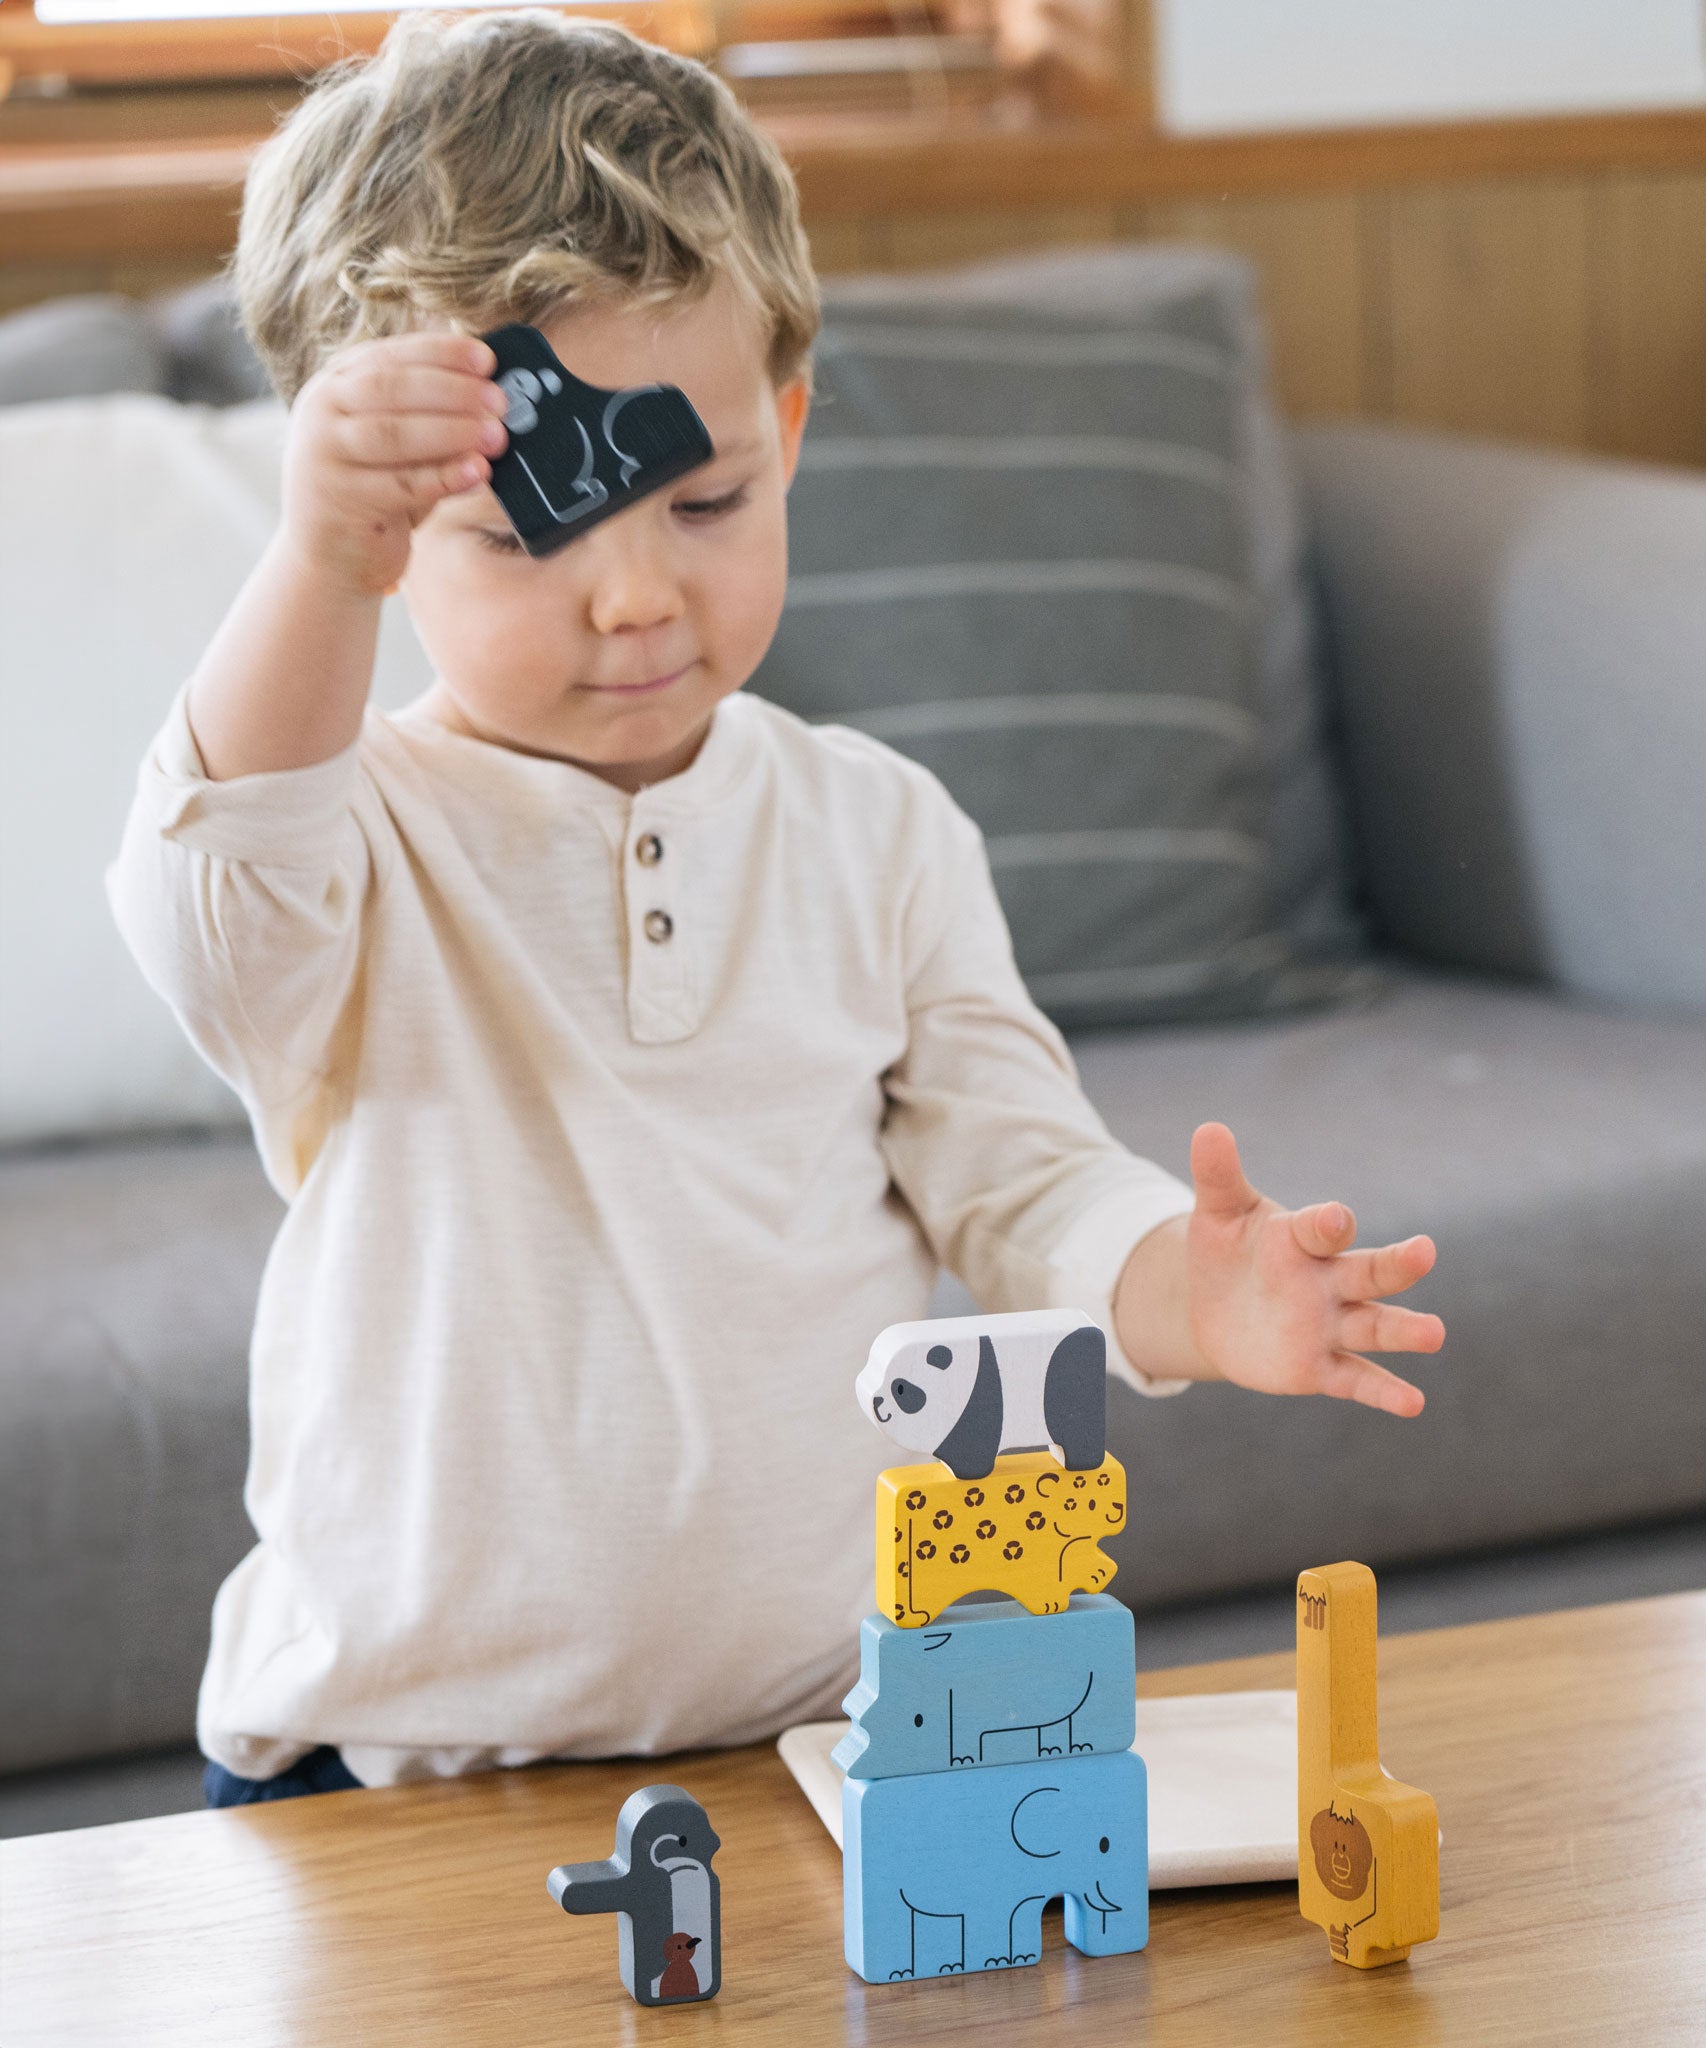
column 378, row 436
column 1279, row 1301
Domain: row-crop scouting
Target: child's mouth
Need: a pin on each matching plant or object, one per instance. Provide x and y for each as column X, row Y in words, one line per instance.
column 645, row 689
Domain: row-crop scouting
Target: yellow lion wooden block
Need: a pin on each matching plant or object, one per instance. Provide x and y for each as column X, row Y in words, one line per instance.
column 1030, row 1530
column 1367, row 1846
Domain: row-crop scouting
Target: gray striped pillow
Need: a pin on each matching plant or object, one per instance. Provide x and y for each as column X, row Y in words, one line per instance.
column 1022, row 553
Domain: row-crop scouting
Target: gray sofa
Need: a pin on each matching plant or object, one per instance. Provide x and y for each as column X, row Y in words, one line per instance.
column 1516, row 644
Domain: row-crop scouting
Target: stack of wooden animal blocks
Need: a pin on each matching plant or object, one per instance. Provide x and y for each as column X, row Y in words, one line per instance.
column 989, row 1766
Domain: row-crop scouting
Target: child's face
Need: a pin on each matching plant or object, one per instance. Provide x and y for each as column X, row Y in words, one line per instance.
column 614, row 651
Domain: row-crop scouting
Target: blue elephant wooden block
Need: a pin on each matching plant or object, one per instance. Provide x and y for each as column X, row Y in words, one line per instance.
column 988, row 1685
column 948, row 1872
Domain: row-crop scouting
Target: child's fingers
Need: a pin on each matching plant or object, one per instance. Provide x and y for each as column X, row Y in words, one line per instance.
column 440, row 345
column 414, row 492
column 405, row 375
column 1350, row 1378
column 1325, row 1229
column 380, row 385
column 1384, row 1269
column 399, row 440
column 457, row 477
column 1221, row 1189
column 1382, row 1326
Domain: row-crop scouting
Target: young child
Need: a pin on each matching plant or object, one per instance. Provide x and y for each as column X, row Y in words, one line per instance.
column 629, row 1052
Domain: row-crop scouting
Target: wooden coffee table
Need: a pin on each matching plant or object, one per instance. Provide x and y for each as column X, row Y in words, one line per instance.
column 1567, row 1753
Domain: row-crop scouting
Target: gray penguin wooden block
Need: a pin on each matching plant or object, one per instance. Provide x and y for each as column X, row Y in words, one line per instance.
column 660, row 1885
column 967, row 1389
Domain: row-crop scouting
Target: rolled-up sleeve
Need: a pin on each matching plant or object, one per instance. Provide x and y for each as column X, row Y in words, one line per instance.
column 242, row 902
column 1016, row 1182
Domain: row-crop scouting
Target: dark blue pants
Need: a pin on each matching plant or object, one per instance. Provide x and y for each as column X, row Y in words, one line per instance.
column 321, row 1770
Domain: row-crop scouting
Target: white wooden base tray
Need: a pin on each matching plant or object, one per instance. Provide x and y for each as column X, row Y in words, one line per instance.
column 1222, row 1785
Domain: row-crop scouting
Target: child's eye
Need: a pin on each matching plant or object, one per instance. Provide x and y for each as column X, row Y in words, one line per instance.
column 501, row 543
column 712, row 508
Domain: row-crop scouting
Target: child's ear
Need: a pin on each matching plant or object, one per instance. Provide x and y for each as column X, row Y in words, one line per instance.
column 793, row 402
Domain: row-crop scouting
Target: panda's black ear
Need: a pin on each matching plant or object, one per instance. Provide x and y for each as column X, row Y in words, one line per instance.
column 1075, row 1397
column 970, row 1448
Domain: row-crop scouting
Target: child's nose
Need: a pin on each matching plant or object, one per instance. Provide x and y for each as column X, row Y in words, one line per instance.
column 633, row 583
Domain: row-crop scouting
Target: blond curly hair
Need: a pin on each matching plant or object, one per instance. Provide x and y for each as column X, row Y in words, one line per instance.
column 501, row 166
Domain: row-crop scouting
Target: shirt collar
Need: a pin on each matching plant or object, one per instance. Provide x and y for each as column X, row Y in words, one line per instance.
column 722, row 763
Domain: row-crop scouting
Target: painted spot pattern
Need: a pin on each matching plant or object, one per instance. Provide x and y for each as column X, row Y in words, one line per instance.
column 1037, row 1539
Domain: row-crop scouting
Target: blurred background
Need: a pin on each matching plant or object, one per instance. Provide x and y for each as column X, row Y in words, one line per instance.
column 1479, row 214
column 1330, row 694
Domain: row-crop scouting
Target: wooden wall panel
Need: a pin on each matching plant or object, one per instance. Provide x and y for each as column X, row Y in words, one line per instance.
column 29, row 284
column 1650, row 299
column 1307, row 250
column 841, row 245
column 922, row 241
column 1480, row 315
column 1566, row 307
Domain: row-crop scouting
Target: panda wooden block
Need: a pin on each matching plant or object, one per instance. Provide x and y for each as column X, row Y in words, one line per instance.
column 967, row 1389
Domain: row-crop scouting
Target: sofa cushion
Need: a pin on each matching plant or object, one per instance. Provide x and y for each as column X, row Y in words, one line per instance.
column 127, row 1284
column 209, row 360
column 1044, row 540
column 104, row 620
column 1557, row 1154
column 186, row 344
column 1519, row 637
column 74, row 348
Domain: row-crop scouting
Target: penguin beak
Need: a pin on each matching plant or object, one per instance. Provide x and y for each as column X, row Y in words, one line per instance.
column 693, row 1941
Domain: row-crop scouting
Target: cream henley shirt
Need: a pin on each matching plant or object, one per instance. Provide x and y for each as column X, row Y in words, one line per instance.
column 612, row 1130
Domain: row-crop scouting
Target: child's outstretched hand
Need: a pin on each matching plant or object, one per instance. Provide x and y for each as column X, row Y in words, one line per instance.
column 1277, row 1300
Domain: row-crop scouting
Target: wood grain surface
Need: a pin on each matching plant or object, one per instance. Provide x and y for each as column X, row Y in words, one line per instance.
column 1565, row 1752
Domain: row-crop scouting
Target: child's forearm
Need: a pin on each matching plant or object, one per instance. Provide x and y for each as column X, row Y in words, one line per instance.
column 1152, row 1308
column 285, row 680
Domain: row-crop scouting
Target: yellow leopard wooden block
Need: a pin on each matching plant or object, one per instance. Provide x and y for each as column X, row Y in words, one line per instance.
column 1030, row 1530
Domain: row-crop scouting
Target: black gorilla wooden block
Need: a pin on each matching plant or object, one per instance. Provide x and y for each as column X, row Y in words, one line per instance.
column 578, row 453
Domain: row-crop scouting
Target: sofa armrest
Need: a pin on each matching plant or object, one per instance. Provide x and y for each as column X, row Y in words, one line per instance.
column 1518, row 646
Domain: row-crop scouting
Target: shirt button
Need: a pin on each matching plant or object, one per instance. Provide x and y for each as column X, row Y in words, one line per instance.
column 658, row 926
column 649, row 850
